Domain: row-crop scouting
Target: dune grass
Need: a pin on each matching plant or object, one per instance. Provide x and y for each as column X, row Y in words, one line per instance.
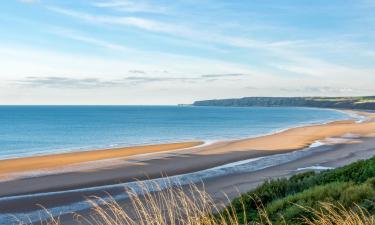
column 348, row 185
column 331, row 214
column 341, row 196
column 176, row 205
column 193, row 206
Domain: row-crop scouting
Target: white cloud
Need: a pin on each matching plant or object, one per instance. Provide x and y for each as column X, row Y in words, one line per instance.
column 50, row 63
column 90, row 40
column 179, row 30
column 131, row 6
column 137, row 22
column 208, row 37
column 28, row 1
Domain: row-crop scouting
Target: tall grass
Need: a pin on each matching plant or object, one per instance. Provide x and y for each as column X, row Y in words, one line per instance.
column 193, row 206
column 172, row 206
column 330, row 214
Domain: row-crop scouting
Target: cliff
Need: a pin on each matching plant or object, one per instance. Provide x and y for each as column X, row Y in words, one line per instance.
column 365, row 103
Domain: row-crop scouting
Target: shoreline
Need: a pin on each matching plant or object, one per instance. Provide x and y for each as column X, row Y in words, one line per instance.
column 43, row 165
column 217, row 164
column 221, row 188
column 352, row 115
column 285, row 140
column 241, row 179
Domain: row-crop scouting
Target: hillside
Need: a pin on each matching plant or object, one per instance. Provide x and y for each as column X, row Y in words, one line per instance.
column 286, row 200
column 366, row 103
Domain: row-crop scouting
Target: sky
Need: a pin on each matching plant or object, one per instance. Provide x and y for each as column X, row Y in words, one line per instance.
column 159, row 52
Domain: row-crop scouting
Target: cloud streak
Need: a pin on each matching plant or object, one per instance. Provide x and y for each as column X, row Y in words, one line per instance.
column 290, row 54
column 89, row 40
column 324, row 90
column 174, row 29
column 138, row 22
column 94, row 82
column 28, row 1
column 224, row 75
column 131, row 6
column 64, row 82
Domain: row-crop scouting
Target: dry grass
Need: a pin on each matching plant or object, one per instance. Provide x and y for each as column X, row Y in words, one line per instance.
column 193, row 206
column 330, row 214
column 171, row 206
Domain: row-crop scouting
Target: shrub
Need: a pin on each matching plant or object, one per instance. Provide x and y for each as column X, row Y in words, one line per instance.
column 352, row 175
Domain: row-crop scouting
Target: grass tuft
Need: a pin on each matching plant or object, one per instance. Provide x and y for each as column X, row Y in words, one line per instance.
column 193, row 206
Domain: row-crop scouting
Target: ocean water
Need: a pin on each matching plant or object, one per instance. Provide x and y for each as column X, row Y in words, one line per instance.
column 37, row 130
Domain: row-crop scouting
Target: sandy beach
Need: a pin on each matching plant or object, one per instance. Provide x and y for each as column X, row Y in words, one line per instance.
column 112, row 166
column 288, row 140
column 59, row 160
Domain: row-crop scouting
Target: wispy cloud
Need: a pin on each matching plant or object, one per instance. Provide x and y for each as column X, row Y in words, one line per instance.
column 138, row 22
column 131, row 6
column 182, row 78
column 137, row 71
column 64, row 82
column 94, row 82
column 90, row 40
column 189, row 79
column 28, row 1
column 226, row 75
column 324, row 90
column 175, row 29
column 284, row 49
column 89, row 83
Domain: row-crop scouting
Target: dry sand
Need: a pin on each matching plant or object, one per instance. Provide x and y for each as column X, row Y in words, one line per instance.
column 64, row 159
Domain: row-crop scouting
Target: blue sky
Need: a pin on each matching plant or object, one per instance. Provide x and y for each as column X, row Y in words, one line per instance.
column 169, row 52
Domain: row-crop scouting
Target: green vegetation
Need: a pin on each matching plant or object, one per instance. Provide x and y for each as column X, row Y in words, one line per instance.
column 366, row 102
column 344, row 196
column 286, row 200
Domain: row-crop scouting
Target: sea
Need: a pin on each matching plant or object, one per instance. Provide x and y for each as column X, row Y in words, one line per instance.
column 39, row 130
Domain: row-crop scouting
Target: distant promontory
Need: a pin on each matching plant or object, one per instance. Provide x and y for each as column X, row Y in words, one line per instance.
column 365, row 102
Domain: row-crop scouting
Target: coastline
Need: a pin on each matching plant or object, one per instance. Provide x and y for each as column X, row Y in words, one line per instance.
column 221, row 188
column 285, row 140
column 26, row 139
column 235, row 132
column 41, row 165
column 221, row 165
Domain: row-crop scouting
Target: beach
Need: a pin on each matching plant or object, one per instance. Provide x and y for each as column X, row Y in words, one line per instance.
column 78, row 170
column 142, row 156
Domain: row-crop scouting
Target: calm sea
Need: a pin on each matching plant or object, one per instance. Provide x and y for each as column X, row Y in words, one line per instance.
column 35, row 130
